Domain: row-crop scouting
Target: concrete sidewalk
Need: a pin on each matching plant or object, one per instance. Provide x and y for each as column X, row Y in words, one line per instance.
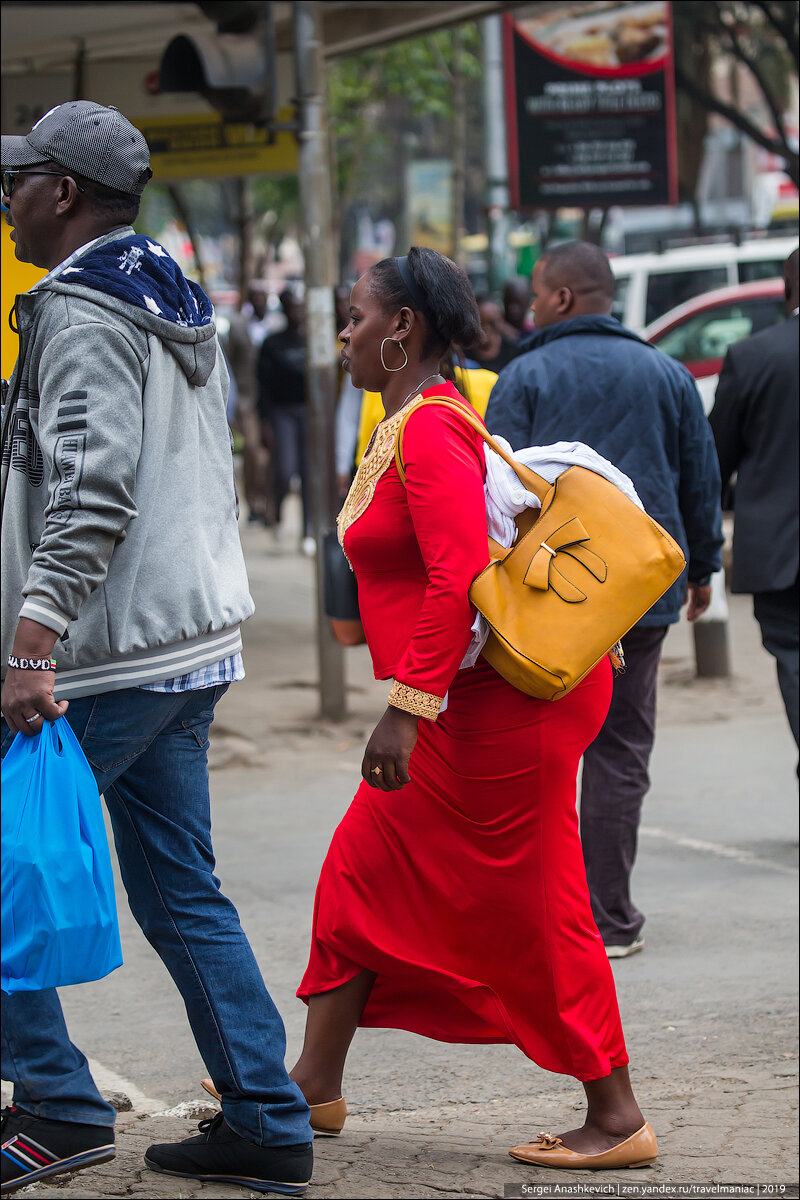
column 709, row 1008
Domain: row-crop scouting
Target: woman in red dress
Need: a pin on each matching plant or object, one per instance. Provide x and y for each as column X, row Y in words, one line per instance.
column 453, row 899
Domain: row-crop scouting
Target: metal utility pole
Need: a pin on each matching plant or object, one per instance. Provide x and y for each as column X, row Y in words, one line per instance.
column 320, row 277
column 711, row 642
column 496, row 153
column 459, row 152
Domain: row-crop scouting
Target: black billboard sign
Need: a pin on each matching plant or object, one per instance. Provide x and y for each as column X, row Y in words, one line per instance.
column 590, row 105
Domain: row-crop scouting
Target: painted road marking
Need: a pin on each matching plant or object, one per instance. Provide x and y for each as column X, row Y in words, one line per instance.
column 733, row 852
column 108, row 1081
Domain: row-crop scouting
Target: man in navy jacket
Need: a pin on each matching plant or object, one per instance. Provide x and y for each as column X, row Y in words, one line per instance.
column 586, row 378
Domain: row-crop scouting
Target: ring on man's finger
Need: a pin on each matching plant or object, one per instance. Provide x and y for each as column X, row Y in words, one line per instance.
column 35, row 717
column 377, row 770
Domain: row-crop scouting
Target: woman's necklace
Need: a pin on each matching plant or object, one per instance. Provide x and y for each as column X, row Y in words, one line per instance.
column 418, row 389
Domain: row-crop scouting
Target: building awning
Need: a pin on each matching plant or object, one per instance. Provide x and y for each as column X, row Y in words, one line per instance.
column 43, row 37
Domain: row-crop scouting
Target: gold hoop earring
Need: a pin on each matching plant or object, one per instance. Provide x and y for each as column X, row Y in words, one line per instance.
column 400, row 346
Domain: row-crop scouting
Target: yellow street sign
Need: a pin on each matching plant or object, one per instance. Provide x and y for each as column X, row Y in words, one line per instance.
column 17, row 277
column 189, row 146
column 201, row 145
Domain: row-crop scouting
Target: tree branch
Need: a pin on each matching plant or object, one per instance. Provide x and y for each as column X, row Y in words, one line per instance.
column 182, row 209
column 352, row 177
column 440, row 59
column 773, row 144
column 772, row 104
column 786, row 29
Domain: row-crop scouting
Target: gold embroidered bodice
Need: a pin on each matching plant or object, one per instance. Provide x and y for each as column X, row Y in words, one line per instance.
column 378, row 457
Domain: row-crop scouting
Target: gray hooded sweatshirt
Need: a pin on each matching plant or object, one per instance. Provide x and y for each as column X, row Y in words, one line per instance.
column 119, row 520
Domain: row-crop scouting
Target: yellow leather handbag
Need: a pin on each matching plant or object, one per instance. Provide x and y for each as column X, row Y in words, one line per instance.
column 581, row 572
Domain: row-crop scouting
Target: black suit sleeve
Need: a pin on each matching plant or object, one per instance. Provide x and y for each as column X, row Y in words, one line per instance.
column 727, row 417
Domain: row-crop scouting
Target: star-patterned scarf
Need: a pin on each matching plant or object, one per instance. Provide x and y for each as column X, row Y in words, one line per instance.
column 141, row 272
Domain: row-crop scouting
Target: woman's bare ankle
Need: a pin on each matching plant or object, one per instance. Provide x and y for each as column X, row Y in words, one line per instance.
column 594, row 1137
column 317, row 1088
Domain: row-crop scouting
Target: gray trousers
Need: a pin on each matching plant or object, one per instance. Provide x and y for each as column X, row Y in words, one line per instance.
column 290, row 427
column 777, row 614
column 615, row 782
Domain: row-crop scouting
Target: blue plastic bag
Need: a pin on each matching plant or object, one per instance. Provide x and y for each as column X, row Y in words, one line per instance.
column 59, row 915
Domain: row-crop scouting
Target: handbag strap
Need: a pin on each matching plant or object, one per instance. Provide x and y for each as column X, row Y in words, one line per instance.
column 528, row 478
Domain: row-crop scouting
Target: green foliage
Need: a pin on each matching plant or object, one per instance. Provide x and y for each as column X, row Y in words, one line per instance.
column 418, row 71
column 397, row 96
column 275, row 199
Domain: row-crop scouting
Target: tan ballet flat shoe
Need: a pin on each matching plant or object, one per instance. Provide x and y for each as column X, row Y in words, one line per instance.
column 208, row 1084
column 639, row 1150
column 327, row 1120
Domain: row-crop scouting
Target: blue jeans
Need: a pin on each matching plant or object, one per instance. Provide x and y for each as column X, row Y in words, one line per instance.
column 148, row 751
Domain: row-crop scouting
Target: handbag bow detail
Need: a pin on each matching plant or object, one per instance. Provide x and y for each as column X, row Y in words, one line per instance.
column 569, row 539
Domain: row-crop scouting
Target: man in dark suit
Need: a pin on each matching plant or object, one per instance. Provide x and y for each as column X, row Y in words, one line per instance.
column 755, row 426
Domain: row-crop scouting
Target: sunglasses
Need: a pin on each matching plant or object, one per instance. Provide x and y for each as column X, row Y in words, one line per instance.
column 9, row 179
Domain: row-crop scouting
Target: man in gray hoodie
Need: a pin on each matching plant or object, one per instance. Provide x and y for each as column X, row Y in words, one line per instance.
column 123, row 589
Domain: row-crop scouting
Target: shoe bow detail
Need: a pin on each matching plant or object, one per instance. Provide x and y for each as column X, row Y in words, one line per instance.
column 546, row 1141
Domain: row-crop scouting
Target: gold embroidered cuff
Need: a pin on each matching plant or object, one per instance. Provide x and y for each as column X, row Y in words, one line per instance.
column 419, row 704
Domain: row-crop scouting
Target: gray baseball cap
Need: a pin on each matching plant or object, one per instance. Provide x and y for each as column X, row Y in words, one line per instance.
column 89, row 139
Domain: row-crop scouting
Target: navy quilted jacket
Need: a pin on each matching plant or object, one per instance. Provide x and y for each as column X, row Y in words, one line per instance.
column 591, row 380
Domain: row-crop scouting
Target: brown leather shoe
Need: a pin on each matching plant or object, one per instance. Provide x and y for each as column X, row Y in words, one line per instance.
column 327, row 1120
column 639, row 1150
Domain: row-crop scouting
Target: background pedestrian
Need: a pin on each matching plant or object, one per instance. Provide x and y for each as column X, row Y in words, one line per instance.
column 516, row 307
column 755, row 424
column 584, row 377
column 496, row 349
column 247, row 331
column 282, row 408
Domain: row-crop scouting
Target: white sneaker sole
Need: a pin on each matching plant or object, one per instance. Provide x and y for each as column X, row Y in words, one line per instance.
column 625, row 951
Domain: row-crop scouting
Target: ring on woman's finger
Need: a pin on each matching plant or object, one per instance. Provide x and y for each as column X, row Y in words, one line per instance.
column 377, row 770
column 35, row 717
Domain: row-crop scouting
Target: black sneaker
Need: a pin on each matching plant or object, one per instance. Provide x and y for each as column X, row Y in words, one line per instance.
column 219, row 1155
column 35, row 1147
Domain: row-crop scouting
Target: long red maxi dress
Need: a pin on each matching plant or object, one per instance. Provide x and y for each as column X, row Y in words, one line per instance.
column 465, row 892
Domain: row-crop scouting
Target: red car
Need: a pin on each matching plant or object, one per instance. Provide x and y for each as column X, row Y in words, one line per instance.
column 699, row 332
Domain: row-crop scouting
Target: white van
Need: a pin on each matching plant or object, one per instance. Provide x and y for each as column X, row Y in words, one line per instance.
column 649, row 285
